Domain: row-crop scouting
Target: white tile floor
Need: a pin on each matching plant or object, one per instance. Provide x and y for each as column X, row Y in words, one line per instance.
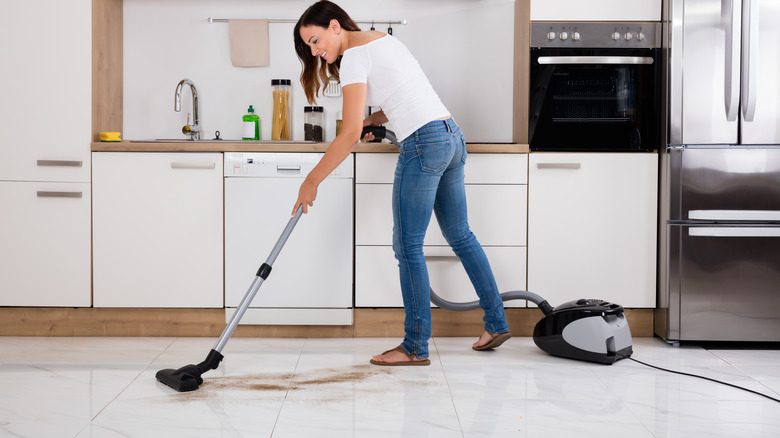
column 105, row 387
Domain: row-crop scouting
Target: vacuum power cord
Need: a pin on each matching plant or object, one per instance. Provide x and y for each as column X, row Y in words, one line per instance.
column 701, row 377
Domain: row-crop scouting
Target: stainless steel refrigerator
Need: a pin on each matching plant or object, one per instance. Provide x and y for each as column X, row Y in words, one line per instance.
column 719, row 248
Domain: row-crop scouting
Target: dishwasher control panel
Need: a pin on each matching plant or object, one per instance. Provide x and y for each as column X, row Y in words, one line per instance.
column 280, row 165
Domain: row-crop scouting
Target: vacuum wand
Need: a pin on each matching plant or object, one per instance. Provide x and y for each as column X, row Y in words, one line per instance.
column 188, row 377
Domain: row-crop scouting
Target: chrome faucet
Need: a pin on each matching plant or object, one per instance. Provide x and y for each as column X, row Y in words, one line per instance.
column 192, row 130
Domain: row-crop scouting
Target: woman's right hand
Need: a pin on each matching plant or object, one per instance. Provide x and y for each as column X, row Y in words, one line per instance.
column 307, row 193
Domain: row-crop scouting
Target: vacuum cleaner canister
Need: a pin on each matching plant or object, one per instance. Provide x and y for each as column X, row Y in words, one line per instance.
column 586, row 329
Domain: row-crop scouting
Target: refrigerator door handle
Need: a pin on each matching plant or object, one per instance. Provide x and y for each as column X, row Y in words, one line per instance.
column 732, row 59
column 734, row 231
column 734, row 215
column 749, row 58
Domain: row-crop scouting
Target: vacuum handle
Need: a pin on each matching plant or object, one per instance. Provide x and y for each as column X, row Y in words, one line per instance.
column 283, row 238
column 381, row 132
column 378, row 131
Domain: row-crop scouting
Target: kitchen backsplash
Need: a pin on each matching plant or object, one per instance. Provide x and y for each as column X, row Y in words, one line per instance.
column 465, row 47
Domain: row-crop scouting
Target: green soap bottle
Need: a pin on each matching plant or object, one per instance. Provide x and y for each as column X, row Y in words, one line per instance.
column 251, row 125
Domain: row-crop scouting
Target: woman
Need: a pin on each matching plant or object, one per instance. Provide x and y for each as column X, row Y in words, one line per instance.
column 377, row 69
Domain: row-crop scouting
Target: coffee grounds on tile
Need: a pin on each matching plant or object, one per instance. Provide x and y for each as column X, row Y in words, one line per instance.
column 282, row 382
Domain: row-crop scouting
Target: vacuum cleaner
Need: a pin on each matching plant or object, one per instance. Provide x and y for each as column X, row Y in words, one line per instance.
column 188, row 377
column 591, row 330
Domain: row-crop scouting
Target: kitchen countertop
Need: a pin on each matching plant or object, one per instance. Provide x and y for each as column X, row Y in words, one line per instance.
column 250, row 146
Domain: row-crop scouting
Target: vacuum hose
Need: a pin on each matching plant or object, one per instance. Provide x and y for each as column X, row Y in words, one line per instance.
column 381, row 132
column 506, row 296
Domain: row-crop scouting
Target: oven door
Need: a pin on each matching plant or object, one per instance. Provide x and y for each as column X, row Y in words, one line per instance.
column 594, row 100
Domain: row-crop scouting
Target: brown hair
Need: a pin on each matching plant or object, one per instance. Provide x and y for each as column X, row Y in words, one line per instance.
column 315, row 71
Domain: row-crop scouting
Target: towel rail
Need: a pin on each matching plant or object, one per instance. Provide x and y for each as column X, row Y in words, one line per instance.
column 225, row 20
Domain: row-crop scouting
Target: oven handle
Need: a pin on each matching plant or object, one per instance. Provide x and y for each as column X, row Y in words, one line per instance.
column 589, row 60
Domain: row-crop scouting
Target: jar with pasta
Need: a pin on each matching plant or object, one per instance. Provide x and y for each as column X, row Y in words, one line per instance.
column 280, row 123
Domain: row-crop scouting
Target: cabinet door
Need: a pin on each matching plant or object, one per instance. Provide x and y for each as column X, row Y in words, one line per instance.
column 480, row 168
column 377, row 283
column 44, row 236
column 46, row 89
column 592, row 227
column 157, row 229
column 497, row 215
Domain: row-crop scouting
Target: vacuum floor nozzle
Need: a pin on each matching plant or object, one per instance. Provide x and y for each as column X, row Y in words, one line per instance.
column 188, row 377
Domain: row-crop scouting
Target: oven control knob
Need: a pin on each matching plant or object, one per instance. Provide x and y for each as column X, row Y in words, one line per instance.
column 575, row 36
column 564, row 35
column 640, row 36
column 551, row 36
column 629, row 36
column 616, row 36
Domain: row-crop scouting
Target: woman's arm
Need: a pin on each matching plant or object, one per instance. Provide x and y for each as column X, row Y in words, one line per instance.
column 352, row 125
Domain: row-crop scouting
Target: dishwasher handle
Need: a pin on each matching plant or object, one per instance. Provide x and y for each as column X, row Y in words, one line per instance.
column 281, row 168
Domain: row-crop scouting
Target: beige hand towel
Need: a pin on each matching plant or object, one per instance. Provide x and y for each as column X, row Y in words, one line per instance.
column 249, row 43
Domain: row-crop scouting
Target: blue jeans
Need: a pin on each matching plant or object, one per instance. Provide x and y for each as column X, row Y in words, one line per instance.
column 429, row 178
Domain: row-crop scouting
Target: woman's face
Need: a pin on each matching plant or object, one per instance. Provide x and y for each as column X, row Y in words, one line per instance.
column 323, row 42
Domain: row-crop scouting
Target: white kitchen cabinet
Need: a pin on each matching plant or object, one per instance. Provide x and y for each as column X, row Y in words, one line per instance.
column 157, row 229
column 602, row 10
column 592, row 227
column 376, row 274
column 45, row 129
column 496, row 193
column 46, row 89
column 44, row 236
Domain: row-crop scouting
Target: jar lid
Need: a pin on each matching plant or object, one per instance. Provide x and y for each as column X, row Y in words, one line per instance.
column 281, row 82
column 313, row 109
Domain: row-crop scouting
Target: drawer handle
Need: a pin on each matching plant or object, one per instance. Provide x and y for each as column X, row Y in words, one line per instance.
column 49, row 194
column 183, row 165
column 451, row 258
column 60, row 163
column 571, row 166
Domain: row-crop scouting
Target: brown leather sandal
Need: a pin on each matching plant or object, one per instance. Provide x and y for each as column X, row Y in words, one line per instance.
column 496, row 341
column 412, row 359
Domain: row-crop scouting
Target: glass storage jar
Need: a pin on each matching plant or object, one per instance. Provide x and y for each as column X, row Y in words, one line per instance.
column 313, row 123
column 280, row 123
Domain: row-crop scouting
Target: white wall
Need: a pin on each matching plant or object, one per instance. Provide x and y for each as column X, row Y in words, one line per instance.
column 465, row 47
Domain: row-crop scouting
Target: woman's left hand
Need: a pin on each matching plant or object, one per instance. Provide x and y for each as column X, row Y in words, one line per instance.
column 306, row 196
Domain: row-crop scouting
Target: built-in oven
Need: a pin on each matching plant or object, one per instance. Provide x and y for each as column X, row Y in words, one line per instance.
column 595, row 86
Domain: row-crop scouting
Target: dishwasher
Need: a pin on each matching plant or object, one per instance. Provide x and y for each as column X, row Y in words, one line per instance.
column 312, row 281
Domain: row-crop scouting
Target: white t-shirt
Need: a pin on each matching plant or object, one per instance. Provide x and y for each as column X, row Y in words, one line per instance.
column 395, row 82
